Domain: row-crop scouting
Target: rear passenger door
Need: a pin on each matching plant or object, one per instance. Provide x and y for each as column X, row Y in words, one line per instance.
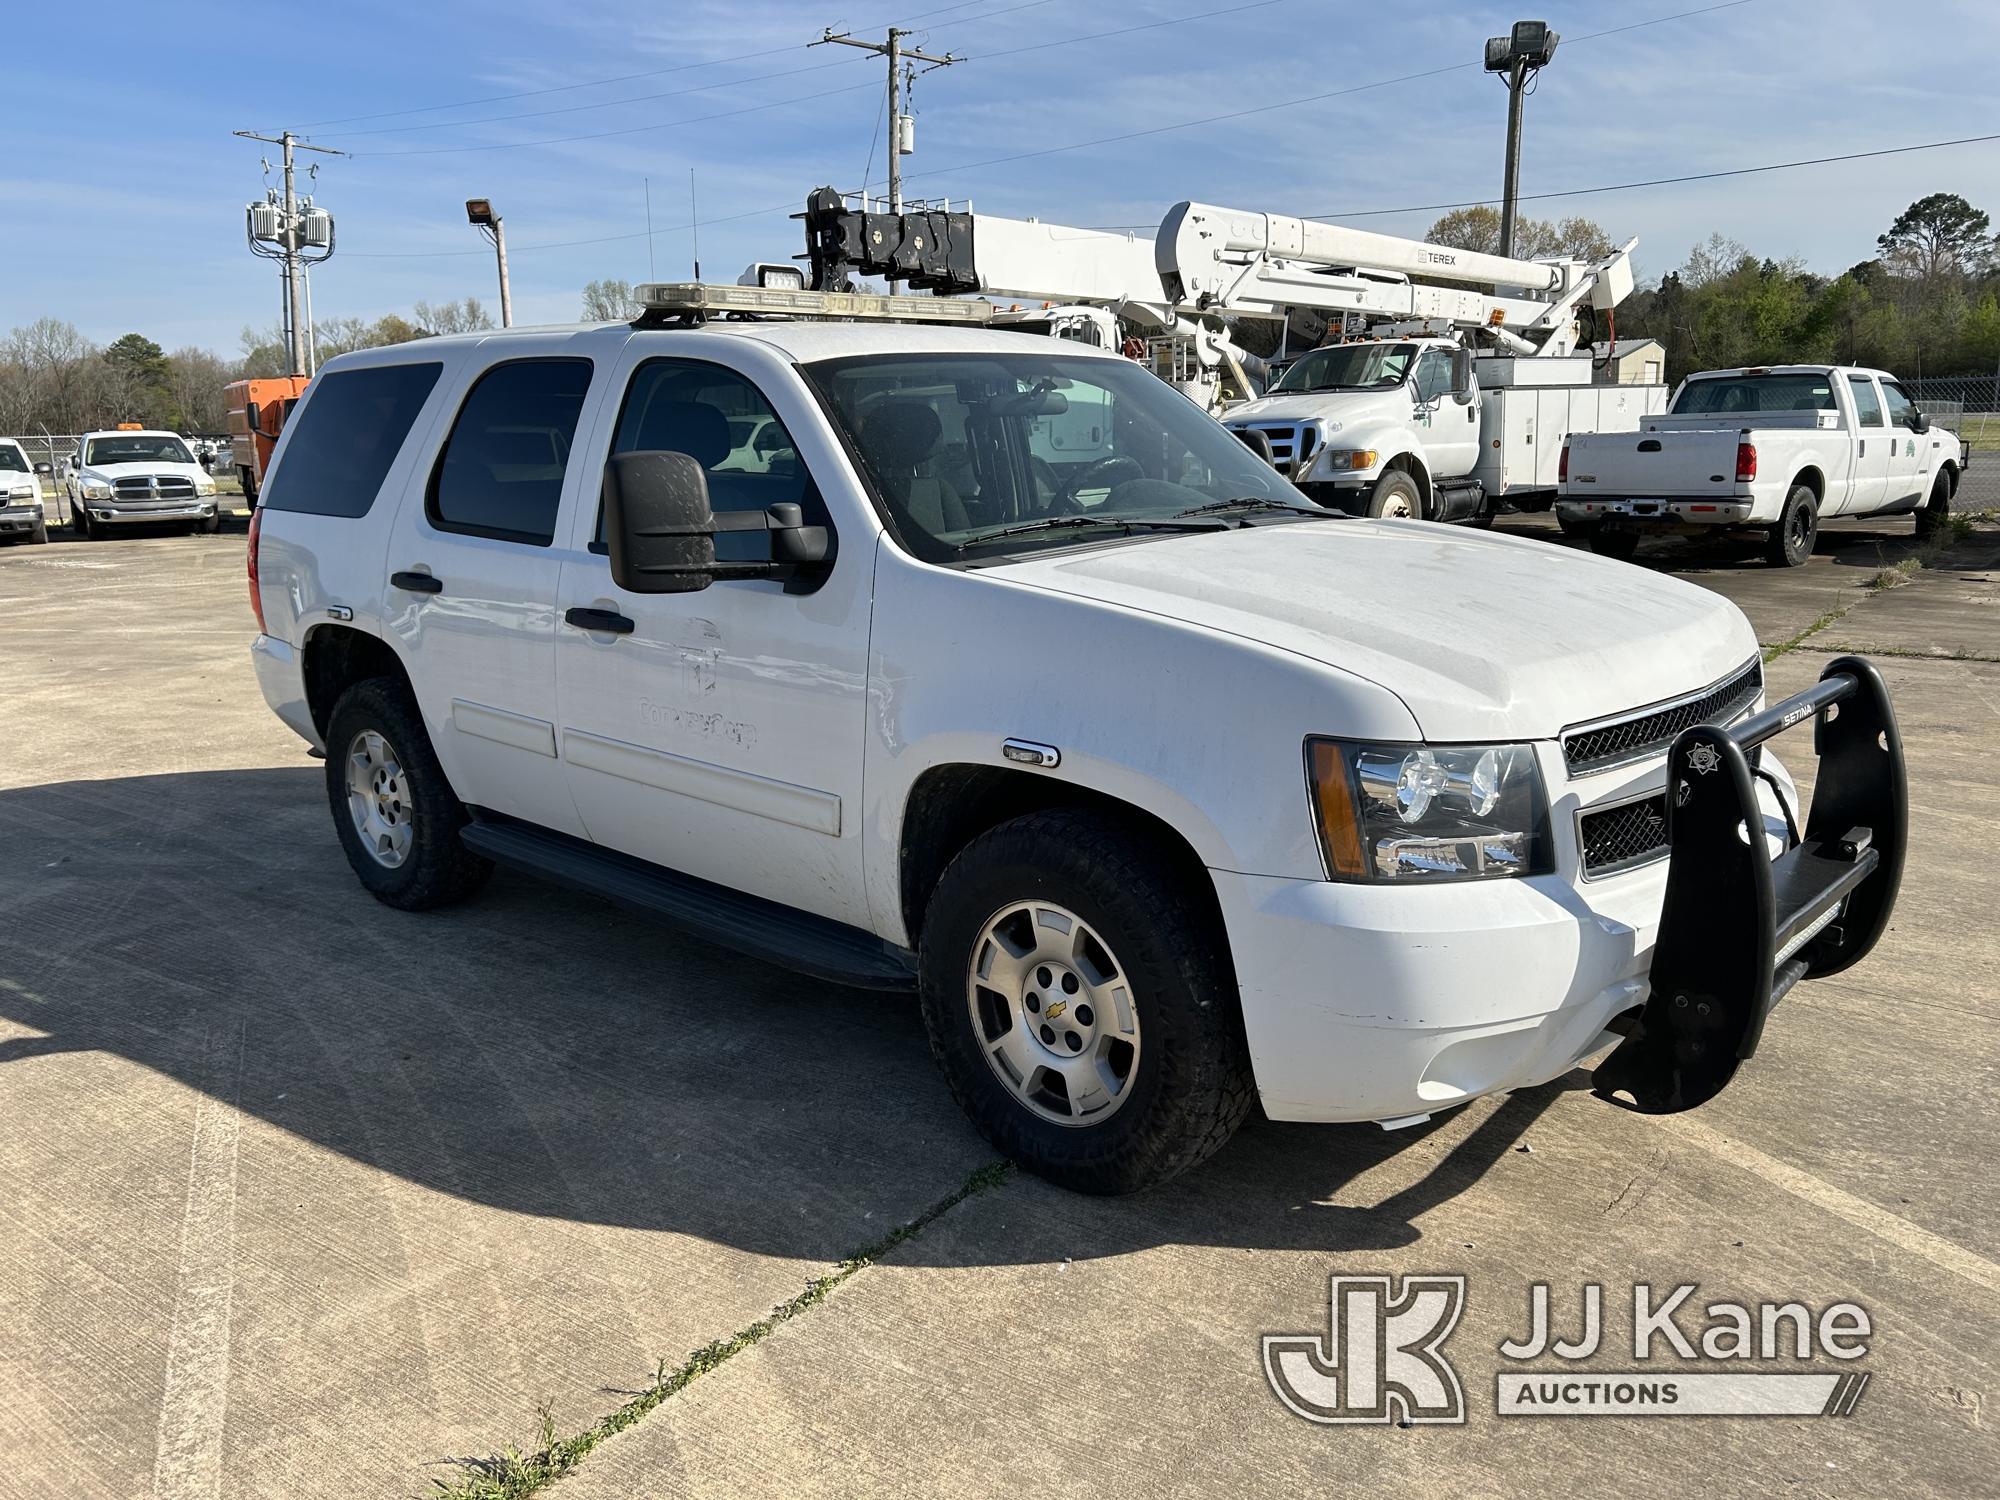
column 472, row 572
column 1872, row 442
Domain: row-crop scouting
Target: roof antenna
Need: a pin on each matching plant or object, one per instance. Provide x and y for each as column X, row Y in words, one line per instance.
column 694, row 223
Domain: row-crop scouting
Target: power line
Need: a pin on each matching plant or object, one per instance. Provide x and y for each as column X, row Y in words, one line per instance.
column 1260, row 109
column 567, row 88
column 1619, row 187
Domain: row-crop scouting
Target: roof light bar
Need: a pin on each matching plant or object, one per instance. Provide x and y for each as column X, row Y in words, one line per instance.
column 695, row 299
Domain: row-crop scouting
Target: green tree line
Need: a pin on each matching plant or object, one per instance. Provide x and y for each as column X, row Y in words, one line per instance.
column 1927, row 304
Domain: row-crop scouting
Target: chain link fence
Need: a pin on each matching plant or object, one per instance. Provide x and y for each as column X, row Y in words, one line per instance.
column 1968, row 405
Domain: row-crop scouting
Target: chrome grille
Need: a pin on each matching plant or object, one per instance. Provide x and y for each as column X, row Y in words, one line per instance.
column 1651, row 730
column 168, row 487
column 1617, row 838
column 1291, row 445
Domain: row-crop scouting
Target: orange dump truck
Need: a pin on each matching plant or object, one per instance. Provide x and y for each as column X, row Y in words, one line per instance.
column 257, row 413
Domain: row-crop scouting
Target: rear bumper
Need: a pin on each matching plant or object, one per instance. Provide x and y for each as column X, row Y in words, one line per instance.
column 281, row 678
column 1693, row 511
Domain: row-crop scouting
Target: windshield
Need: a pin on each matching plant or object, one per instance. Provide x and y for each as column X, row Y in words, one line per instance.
column 1733, row 393
column 1348, row 367
column 962, row 446
column 138, row 448
column 12, row 459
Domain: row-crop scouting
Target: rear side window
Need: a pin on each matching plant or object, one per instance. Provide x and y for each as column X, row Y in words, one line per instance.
column 1867, row 405
column 501, row 472
column 341, row 448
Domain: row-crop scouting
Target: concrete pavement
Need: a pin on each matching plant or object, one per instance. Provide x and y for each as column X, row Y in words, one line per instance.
column 300, row 1196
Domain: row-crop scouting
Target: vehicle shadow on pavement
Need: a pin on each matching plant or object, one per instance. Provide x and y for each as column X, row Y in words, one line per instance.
column 546, row 1053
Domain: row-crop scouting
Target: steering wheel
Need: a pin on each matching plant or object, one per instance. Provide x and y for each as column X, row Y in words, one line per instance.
column 1090, row 475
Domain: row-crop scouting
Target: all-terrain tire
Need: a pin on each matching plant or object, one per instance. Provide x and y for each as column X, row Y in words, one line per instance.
column 1936, row 510
column 1790, row 542
column 1190, row 1085
column 437, row 869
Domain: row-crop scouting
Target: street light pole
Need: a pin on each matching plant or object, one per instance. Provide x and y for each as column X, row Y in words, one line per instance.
column 1521, row 54
column 479, row 212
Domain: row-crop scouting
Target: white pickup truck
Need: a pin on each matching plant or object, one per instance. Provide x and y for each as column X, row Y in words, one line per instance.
column 1167, row 790
column 1778, row 449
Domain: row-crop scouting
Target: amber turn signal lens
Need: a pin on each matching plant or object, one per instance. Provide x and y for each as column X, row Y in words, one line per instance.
column 1333, row 798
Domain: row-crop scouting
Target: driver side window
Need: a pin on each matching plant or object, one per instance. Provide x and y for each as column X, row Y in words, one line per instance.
column 1433, row 375
column 1901, row 407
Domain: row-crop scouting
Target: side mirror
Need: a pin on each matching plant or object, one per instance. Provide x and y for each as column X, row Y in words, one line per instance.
column 657, row 523
column 660, row 528
column 1461, row 376
column 1919, row 422
column 43, row 468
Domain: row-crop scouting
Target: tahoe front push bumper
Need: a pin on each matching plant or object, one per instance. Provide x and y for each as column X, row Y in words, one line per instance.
column 1740, row 929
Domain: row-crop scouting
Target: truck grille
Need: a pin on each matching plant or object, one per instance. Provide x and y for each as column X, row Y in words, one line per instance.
column 1291, row 446
column 1651, row 730
column 1617, row 838
column 165, row 487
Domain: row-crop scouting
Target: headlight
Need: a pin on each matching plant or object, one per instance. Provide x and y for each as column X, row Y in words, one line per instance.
column 23, row 492
column 204, row 486
column 1428, row 812
column 1337, row 460
column 96, row 489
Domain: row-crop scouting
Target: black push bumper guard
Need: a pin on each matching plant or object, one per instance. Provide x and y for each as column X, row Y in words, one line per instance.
column 1740, row 929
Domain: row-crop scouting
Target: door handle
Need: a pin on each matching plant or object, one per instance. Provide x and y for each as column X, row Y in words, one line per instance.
column 606, row 620
column 416, row 583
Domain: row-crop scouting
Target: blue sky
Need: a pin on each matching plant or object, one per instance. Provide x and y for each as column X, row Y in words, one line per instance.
column 125, row 189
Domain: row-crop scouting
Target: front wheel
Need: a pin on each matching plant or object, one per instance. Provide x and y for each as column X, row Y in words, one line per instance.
column 1931, row 519
column 1396, row 497
column 1790, row 542
column 39, row 533
column 1080, row 1003
column 396, row 814
column 209, row 524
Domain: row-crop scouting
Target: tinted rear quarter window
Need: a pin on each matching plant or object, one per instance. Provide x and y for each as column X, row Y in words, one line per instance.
column 501, row 472
column 350, row 432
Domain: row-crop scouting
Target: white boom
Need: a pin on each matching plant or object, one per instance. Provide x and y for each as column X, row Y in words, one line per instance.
column 1260, row 265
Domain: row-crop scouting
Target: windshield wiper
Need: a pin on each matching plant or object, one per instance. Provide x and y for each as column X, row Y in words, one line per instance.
column 1257, row 502
column 1129, row 523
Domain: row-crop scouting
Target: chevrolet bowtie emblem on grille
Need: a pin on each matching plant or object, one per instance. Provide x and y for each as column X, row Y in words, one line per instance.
column 1703, row 758
column 1056, row 1009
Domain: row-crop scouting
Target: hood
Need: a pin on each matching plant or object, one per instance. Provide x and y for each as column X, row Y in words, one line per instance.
column 143, row 467
column 1305, row 406
column 1481, row 636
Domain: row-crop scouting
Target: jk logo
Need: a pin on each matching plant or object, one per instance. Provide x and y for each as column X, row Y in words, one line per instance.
column 1380, row 1360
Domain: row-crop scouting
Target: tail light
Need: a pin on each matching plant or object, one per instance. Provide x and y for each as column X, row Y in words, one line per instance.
column 1746, row 462
column 1562, row 464
column 256, row 593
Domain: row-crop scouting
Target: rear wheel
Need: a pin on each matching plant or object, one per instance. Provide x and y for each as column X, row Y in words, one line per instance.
column 1396, row 496
column 1575, row 525
column 1621, row 542
column 1931, row 519
column 1790, row 542
column 249, row 482
column 396, row 814
column 1080, row 1004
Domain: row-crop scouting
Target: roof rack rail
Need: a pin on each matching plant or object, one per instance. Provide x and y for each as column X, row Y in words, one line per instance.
column 687, row 303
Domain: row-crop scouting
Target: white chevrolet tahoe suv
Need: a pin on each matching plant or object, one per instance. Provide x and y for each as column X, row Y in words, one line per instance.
column 133, row 475
column 995, row 669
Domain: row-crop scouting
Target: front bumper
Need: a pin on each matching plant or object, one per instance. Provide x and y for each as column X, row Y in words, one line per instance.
column 20, row 517
column 1366, row 1002
column 111, row 512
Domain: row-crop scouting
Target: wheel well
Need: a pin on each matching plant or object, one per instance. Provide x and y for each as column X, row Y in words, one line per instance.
column 1950, row 472
column 1410, row 464
column 1813, row 480
column 336, row 658
column 950, row 806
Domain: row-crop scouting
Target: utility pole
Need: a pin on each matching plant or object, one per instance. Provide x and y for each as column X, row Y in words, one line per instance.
column 293, row 234
column 1521, row 54
column 902, row 133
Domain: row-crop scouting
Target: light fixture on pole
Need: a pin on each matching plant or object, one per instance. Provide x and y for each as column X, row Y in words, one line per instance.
column 479, row 213
column 1522, row 53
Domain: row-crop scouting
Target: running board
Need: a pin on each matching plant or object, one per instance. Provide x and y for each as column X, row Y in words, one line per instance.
column 763, row 929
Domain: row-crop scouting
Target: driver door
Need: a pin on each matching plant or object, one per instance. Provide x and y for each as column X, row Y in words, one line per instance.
column 1450, row 429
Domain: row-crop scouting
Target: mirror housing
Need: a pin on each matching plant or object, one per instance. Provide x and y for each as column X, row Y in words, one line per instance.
column 1461, row 375
column 1919, row 422
column 659, row 528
